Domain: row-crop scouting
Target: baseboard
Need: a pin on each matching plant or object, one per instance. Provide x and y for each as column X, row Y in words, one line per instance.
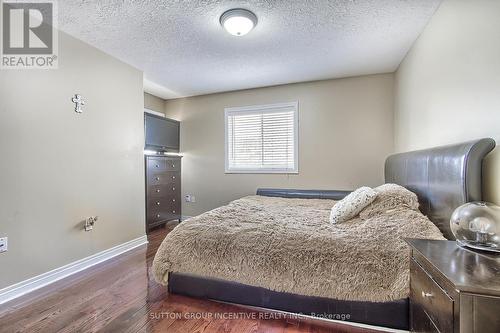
column 185, row 217
column 42, row 280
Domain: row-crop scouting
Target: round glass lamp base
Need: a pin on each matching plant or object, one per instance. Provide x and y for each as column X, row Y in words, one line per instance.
column 476, row 225
column 491, row 247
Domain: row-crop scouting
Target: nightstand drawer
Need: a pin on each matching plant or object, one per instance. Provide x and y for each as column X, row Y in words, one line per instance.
column 427, row 295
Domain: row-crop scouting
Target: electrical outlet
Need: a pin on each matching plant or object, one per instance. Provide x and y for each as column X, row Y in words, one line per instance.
column 189, row 198
column 4, row 244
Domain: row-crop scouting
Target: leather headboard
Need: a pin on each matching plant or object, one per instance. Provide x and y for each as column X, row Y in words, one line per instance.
column 442, row 177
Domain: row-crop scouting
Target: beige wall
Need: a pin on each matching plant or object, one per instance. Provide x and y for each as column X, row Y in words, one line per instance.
column 154, row 103
column 448, row 86
column 59, row 167
column 345, row 133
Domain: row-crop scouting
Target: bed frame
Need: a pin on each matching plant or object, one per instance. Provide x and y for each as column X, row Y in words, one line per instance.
column 442, row 177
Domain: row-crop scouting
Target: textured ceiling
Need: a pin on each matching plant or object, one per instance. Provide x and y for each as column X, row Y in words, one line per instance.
column 181, row 46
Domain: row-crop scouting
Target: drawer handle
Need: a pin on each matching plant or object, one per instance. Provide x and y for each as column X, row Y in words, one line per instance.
column 173, row 188
column 426, row 295
column 157, row 203
column 173, row 211
column 173, row 177
column 157, row 165
column 173, row 165
column 157, row 178
column 158, row 215
column 157, row 191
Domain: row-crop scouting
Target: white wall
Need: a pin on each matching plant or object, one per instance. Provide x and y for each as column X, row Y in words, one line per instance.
column 448, row 86
column 345, row 133
column 58, row 167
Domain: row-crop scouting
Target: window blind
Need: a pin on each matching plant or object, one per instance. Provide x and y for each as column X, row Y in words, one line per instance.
column 262, row 139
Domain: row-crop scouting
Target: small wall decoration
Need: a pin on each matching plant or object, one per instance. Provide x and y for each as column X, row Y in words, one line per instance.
column 79, row 103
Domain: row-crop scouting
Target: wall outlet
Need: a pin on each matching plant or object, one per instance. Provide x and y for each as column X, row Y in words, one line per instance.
column 4, row 244
column 189, row 198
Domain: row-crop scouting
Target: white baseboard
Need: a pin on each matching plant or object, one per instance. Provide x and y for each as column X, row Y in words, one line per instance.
column 185, row 217
column 42, row 280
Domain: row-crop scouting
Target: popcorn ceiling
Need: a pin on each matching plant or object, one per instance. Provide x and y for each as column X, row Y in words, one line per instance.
column 181, row 45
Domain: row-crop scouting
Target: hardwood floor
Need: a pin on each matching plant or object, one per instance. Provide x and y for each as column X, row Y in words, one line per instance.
column 120, row 295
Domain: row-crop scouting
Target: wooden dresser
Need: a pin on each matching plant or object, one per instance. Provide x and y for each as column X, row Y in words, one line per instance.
column 453, row 289
column 163, row 189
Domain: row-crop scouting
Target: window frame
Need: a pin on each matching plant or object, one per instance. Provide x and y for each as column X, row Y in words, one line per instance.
column 258, row 109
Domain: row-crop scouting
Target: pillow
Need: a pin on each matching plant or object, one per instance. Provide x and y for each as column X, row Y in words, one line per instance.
column 389, row 197
column 352, row 204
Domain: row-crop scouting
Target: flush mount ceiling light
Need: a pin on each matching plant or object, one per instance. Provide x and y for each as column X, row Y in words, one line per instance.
column 238, row 21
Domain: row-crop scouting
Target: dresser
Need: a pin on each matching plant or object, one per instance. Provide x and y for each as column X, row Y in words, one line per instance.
column 163, row 189
column 453, row 289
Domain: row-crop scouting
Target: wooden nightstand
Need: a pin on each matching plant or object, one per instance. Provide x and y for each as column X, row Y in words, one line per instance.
column 453, row 289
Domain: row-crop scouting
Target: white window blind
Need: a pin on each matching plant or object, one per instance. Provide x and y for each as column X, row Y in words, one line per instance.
column 262, row 139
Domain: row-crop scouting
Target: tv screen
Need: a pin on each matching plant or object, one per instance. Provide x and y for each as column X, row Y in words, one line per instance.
column 161, row 133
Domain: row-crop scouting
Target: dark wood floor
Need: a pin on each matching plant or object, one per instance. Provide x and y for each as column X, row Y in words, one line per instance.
column 120, row 295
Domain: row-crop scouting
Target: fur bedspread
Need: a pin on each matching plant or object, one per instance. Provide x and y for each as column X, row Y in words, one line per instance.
column 288, row 245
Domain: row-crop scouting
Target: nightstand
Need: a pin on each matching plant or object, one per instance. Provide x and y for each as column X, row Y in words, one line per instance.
column 453, row 289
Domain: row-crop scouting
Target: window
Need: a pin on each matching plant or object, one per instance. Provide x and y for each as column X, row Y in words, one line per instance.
column 262, row 139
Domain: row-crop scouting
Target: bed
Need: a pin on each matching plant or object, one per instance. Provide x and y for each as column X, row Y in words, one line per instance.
column 276, row 250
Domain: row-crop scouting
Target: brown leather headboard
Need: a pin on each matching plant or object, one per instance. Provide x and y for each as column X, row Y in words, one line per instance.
column 442, row 177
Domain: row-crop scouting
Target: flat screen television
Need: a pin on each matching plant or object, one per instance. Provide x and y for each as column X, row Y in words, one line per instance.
column 162, row 134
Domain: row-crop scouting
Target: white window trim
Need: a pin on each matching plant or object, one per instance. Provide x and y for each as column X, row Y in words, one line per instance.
column 255, row 108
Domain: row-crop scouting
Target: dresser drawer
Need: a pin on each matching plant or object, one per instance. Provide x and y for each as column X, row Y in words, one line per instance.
column 156, row 191
column 164, row 209
column 159, row 191
column 155, row 164
column 420, row 321
column 162, row 215
column 166, row 203
column 160, row 164
column 165, row 178
column 173, row 164
column 427, row 296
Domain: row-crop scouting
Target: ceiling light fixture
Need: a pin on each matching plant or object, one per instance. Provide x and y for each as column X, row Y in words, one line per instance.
column 238, row 21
